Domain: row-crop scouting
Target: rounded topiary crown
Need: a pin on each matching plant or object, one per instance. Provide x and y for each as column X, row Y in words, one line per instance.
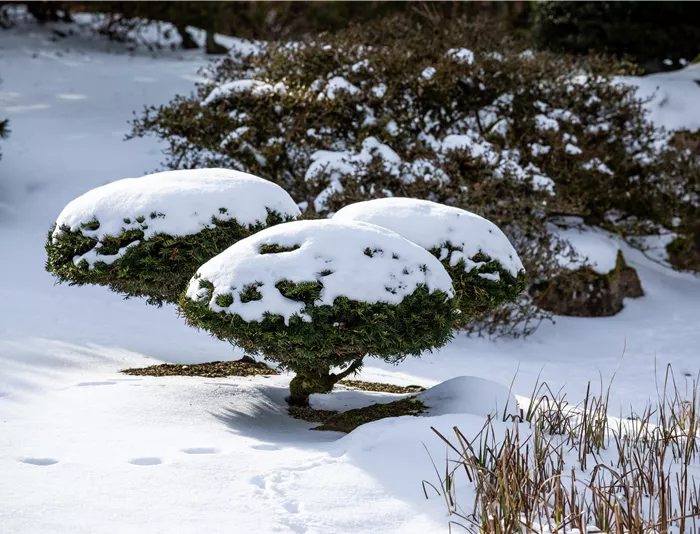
column 147, row 236
column 317, row 294
column 485, row 268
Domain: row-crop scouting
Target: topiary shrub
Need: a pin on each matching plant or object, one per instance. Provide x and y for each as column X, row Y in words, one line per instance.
column 316, row 295
column 458, row 114
column 485, row 268
column 648, row 32
column 145, row 237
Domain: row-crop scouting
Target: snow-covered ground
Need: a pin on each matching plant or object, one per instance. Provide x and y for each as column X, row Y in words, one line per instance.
column 85, row 449
column 672, row 97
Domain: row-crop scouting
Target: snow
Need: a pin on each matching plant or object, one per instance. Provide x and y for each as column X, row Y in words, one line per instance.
column 470, row 395
column 672, row 97
column 572, row 149
column 538, row 150
column 545, row 123
column 462, row 55
column 255, row 87
column 84, row 448
column 337, row 85
column 432, row 225
column 428, row 73
column 477, row 147
column 396, row 268
column 175, row 203
column 598, row 165
column 335, row 165
column 379, row 90
column 598, row 249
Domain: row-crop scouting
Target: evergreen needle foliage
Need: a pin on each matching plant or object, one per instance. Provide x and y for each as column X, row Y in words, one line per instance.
column 157, row 268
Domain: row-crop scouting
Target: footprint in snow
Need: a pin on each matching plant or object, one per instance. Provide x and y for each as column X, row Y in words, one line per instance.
column 295, row 526
column 71, row 96
column 82, row 384
column 146, row 461
column 259, row 481
column 201, row 450
column 291, row 507
column 39, row 461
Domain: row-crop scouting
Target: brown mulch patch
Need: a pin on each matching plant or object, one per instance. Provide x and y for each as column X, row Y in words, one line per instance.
column 381, row 387
column 349, row 420
column 247, row 367
column 208, row 370
column 307, row 413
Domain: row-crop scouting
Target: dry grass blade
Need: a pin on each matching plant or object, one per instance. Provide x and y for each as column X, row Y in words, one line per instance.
column 568, row 469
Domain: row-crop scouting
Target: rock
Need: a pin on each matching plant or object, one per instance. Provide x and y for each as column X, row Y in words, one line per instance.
column 586, row 293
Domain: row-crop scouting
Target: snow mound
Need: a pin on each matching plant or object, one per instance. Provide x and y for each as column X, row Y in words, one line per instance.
column 362, row 262
column 432, row 225
column 597, row 249
column 175, row 203
column 670, row 97
column 469, row 395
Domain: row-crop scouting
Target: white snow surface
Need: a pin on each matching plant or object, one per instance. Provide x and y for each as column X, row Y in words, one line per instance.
column 470, row 395
column 432, row 225
column 84, row 448
column 672, row 97
column 184, row 203
column 395, row 270
column 597, row 249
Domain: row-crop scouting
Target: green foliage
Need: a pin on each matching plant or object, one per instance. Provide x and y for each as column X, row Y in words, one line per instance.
column 340, row 335
column 157, row 268
column 475, row 295
column 648, row 32
column 684, row 252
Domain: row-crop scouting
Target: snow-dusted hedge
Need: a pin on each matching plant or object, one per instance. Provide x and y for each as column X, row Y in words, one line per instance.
column 485, row 268
column 454, row 114
column 145, row 237
column 315, row 295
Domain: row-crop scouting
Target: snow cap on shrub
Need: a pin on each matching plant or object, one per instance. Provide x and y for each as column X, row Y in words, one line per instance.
column 432, row 226
column 176, row 203
column 485, row 268
column 362, row 262
column 146, row 236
